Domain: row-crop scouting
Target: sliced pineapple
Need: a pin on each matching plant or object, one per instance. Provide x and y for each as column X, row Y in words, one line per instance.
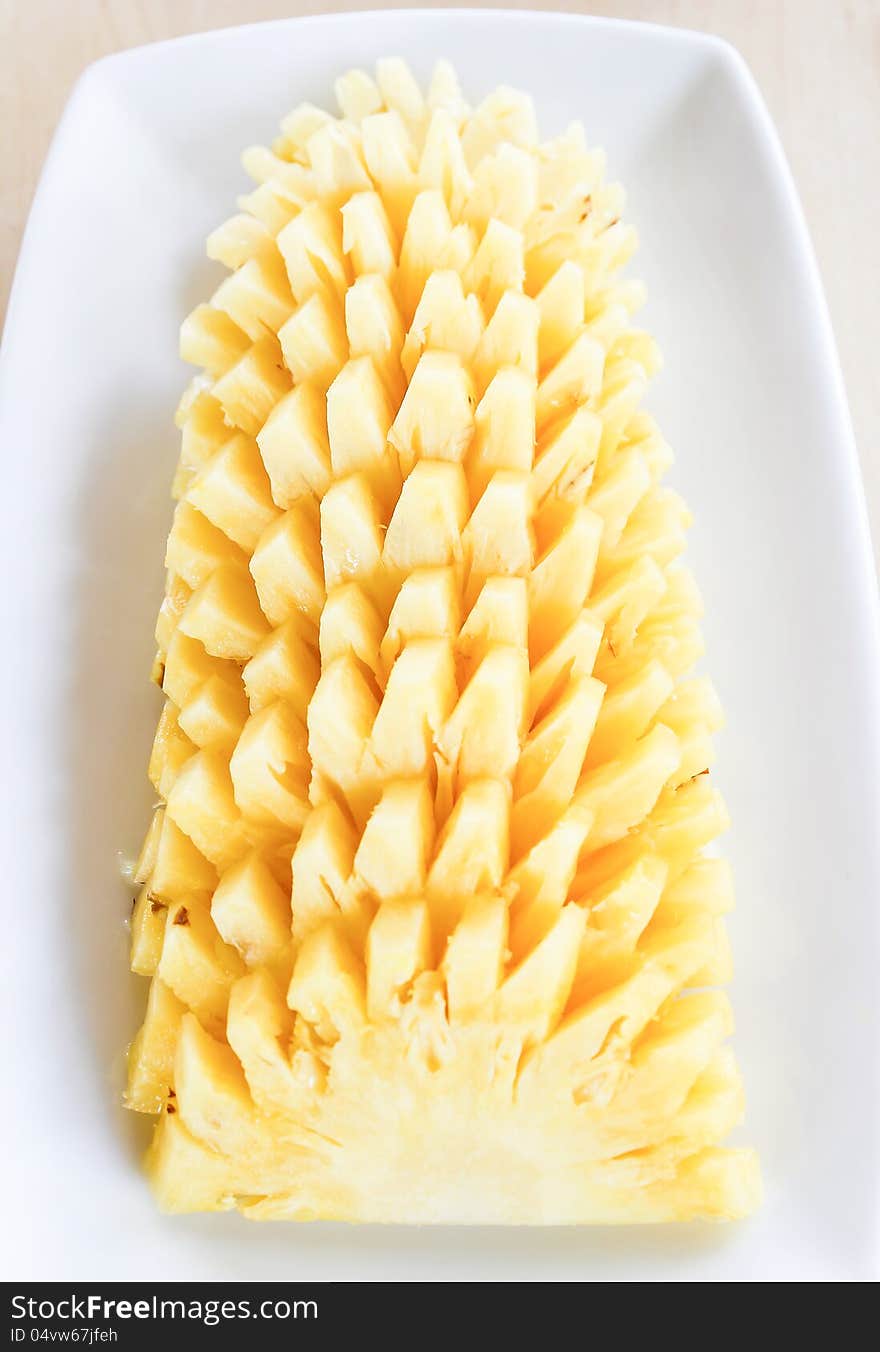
column 427, row 892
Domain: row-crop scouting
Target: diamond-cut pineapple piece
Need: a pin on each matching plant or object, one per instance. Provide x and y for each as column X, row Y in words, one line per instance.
column 427, row 893
column 224, row 615
column 269, row 769
column 442, row 164
column 374, row 329
column 203, row 432
column 147, row 932
column 391, row 161
column 498, row 616
column 510, row 339
column 428, row 605
column 294, row 446
column 505, row 115
column 171, row 750
column 252, row 913
column 446, row 320
column 286, row 565
column 504, row 429
column 473, row 963
column 419, row 697
column 483, row 734
column 561, row 308
column 151, row 1056
column 284, row 666
column 178, row 869
column 472, row 851
column 560, row 580
column 622, row 792
column 498, row 537
column 395, row 848
column 251, row 388
column 497, row 266
column 425, row 530
column 351, row 532
column 239, row 239
column 564, row 465
column 505, row 186
column 574, row 380
column 398, row 949
column 367, row 237
column 424, row 247
column 321, row 866
column 436, row 419
column 341, row 715
column 210, row 338
column 258, row 1029
column 197, row 965
column 628, row 710
column 202, row 804
column 232, row 491
column 177, row 598
column 359, row 415
column 534, row 995
column 311, row 246
column 350, row 623
column 196, row 547
column 256, row 296
column 215, row 714
column 327, row 986
column 337, row 162
column 313, row 340
column 551, row 761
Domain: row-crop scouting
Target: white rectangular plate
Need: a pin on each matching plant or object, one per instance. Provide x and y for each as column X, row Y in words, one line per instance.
column 144, row 164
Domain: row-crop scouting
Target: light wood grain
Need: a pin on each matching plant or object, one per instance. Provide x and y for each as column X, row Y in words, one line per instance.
column 817, row 62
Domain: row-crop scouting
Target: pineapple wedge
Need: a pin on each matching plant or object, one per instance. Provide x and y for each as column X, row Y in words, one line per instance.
column 426, row 902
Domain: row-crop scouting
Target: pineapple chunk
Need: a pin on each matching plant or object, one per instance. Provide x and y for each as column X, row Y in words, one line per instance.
column 268, row 769
column 179, row 869
column 215, row 715
column 313, row 341
column 398, row 949
column 367, row 237
column 350, row 623
column 197, row 965
column 151, row 1056
column 252, row 913
column 311, row 246
column 394, row 851
column 286, row 566
column 359, row 415
column 285, row 666
column 202, row 805
column 293, row 444
column 436, row 419
column 210, row 338
column 188, row 665
column 196, row 547
column 171, row 750
column 427, row 891
column 225, row 615
column 250, row 389
column 232, row 491
column 147, row 932
column 426, row 528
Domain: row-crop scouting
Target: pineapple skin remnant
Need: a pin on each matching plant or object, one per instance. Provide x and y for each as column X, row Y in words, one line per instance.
column 426, row 907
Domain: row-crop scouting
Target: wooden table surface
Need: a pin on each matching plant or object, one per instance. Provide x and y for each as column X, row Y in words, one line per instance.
column 817, row 62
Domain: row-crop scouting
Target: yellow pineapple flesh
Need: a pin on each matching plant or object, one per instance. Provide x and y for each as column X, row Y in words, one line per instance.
column 426, row 904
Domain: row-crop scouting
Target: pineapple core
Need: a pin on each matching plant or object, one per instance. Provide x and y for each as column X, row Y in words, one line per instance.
column 426, row 907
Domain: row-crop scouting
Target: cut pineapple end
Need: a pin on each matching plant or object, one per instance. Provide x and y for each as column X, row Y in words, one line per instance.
column 425, row 902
